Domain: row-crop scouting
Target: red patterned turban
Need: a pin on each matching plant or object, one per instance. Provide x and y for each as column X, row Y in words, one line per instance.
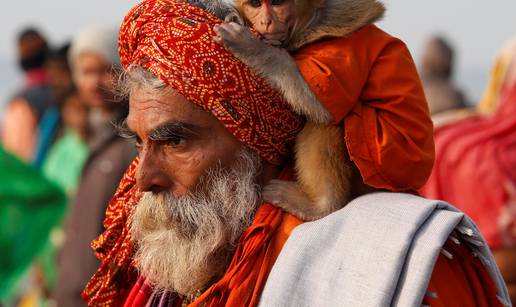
column 173, row 40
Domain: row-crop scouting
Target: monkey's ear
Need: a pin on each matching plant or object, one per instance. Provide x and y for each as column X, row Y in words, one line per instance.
column 234, row 17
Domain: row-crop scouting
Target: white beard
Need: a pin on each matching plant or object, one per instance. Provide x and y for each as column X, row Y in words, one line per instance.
column 183, row 244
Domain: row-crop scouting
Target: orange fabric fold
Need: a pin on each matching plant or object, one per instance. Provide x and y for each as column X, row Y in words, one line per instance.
column 369, row 83
column 259, row 246
column 461, row 281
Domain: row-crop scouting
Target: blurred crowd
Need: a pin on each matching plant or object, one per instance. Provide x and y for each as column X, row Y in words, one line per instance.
column 61, row 159
column 61, row 123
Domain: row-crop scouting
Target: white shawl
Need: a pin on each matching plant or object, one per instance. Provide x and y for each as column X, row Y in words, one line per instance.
column 380, row 250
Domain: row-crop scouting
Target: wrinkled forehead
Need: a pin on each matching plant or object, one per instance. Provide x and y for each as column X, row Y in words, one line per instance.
column 149, row 109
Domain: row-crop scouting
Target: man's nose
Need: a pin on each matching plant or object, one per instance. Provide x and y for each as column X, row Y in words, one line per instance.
column 150, row 176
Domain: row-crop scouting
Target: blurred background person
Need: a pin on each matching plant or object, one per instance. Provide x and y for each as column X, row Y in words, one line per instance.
column 63, row 166
column 24, row 111
column 93, row 53
column 437, row 71
column 66, row 157
column 475, row 167
column 60, row 84
column 30, row 206
column 37, row 284
column 63, row 133
column 502, row 76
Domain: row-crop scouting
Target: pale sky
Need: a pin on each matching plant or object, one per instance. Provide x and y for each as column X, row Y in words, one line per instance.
column 477, row 28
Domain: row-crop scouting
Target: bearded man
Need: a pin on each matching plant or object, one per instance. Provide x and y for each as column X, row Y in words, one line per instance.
column 187, row 225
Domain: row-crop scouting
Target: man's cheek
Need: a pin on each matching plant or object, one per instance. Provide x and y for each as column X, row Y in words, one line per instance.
column 190, row 159
column 187, row 169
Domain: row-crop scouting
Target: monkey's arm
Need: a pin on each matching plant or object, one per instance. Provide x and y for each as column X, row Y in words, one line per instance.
column 276, row 66
column 324, row 173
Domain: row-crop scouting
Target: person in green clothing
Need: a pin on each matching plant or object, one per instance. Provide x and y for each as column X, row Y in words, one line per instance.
column 63, row 166
column 67, row 156
column 30, row 207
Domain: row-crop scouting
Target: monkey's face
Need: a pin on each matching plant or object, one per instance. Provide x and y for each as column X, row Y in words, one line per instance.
column 274, row 19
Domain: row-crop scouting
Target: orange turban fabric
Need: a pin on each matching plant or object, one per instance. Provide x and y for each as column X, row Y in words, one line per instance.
column 173, row 40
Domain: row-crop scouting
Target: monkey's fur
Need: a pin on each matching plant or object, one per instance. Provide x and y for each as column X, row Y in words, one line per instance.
column 327, row 179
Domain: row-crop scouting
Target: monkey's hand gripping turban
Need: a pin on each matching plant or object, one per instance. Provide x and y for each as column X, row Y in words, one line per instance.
column 173, row 40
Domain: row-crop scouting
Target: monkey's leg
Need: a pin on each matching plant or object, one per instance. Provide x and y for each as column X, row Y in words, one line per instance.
column 289, row 196
column 324, row 174
column 277, row 66
column 323, row 167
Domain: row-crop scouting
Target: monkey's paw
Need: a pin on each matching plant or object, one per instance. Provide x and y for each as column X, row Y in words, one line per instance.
column 237, row 39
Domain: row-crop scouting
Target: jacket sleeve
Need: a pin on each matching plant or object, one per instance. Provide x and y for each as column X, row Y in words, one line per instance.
column 334, row 75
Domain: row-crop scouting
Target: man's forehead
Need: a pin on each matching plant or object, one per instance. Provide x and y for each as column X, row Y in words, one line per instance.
column 148, row 110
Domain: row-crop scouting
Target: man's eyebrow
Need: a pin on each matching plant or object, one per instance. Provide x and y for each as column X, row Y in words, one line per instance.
column 174, row 129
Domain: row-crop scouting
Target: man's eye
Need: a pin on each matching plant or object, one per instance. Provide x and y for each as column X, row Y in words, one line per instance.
column 255, row 3
column 277, row 2
column 177, row 141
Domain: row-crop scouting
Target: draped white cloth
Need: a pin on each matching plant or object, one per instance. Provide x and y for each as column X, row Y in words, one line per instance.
column 380, row 250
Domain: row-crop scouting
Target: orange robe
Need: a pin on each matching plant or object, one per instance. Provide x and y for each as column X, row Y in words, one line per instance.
column 462, row 281
column 369, row 83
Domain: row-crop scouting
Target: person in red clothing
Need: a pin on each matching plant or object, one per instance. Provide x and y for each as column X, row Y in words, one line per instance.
column 25, row 110
column 187, row 224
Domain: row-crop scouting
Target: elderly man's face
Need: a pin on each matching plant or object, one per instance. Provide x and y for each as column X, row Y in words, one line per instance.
column 200, row 192
column 178, row 142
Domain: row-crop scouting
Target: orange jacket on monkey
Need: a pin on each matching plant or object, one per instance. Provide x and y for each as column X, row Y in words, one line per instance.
column 369, row 83
column 364, row 77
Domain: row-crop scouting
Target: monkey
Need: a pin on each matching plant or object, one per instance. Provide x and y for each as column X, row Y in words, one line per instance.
column 326, row 177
